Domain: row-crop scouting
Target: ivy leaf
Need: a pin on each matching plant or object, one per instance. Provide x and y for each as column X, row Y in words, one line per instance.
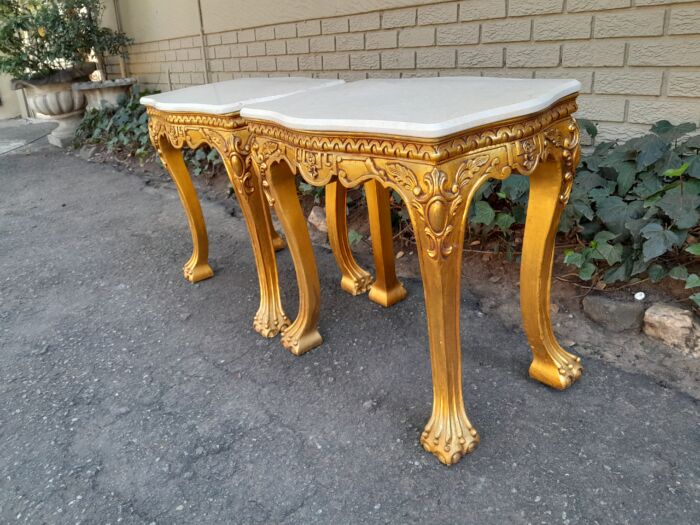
column 614, row 212
column 587, row 270
column 681, row 206
column 693, row 281
column 695, row 298
column 588, row 126
column 611, row 253
column 634, row 227
column 692, row 143
column 602, row 148
column 669, row 132
column 694, row 166
column 668, row 163
column 574, row 258
column 599, row 194
column 647, row 149
column 626, row 175
column 639, row 265
column 515, row 186
column 354, row 236
column 519, row 213
column 504, row 220
column 693, row 248
column 621, row 272
column 648, row 185
column 677, row 172
column 658, row 240
column 585, row 181
column 483, row 213
column 680, row 273
column 656, row 273
column 583, row 209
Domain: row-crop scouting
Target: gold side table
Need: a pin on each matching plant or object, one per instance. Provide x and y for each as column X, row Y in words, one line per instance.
column 210, row 115
column 435, row 155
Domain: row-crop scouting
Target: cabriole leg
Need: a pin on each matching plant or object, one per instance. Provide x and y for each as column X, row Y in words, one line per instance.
column 439, row 237
column 354, row 279
column 551, row 364
column 386, row 289
column 302, row 335
column 197, row 267
column 270, row 318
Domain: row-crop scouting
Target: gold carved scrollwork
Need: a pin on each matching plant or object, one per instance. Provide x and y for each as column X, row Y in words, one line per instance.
column 564, row 141
column 193, row 130
column 438, row 196
column 416, row 149
column 436, row 179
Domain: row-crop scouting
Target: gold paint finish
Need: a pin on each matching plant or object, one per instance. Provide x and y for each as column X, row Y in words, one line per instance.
column 170, row 132
column 437, row 180
column 354, row 279
column 386, row 289
column 228, row 134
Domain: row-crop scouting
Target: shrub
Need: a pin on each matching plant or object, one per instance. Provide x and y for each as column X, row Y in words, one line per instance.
column 124, row 130
column 39, row 37
column 634, row 207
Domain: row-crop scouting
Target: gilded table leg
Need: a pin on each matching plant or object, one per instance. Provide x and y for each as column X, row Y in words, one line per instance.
column 197, row 267
column 354, row 279
column 439, row 236
column 386, row 289
column 302, row 335
column 270, row 318
column 551, row 364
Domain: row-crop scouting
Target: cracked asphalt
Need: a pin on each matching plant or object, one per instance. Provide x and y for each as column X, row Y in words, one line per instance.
column 131, row 396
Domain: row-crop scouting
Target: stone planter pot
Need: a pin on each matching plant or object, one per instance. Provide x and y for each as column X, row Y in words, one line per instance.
column 58, row 102
column 104, row 94
column 53, row 98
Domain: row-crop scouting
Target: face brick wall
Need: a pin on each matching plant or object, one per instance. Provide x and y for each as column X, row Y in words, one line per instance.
column 638, row 60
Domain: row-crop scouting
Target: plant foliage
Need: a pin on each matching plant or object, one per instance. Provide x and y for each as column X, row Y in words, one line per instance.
column 39, row 37
column 124, row 130
column 634, row 208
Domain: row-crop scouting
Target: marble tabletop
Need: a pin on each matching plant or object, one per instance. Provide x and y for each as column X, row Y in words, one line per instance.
column 231, row 95
column 417, row 107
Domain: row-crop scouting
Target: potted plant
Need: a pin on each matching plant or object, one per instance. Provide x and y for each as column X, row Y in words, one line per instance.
column 46, row 45
column 104, row 41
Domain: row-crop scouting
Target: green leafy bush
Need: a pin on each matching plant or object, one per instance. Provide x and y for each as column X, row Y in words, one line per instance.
column 38, row 37
column 634, row 207
column 124, row 130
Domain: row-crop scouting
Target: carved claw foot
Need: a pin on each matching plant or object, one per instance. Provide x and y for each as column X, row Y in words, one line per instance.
column 560, row 370
column 194, row 272
column 356, row 284
column 299, row 342
column 270, row 322
column 386, row 298
column 449, row 437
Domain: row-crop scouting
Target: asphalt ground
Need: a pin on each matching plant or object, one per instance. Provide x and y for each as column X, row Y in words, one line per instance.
column 129, row 395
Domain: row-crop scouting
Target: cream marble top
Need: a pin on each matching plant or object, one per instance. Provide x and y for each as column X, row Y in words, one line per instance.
column 417, row 107
column 231, row 95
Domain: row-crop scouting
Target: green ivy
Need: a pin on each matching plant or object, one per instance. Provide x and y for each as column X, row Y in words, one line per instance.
column 124, row 130
column 634, row 207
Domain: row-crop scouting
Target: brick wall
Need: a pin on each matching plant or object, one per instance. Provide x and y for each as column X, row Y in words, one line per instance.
column 638, row 60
